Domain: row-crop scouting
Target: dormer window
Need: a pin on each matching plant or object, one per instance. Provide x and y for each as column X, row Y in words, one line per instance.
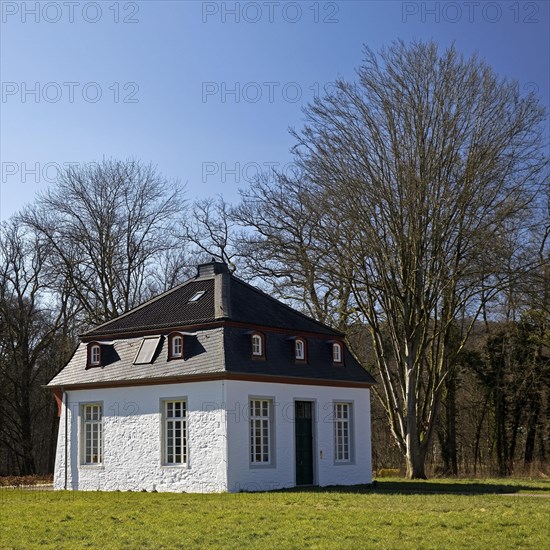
column 94, row 354
column 175, row 346
column 258, row 345
column 337, row 353
column 300, row 349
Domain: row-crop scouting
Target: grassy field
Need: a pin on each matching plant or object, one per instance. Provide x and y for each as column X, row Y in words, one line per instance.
column 394, row 514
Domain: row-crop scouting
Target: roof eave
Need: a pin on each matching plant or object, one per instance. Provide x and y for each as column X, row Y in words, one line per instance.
column 225, row 375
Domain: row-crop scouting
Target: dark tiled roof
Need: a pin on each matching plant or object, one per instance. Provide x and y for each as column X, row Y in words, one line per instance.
column 280, row 360
column 203, row 355
column 222, row 349
column 213, row 351
column 226, row 297
column 250, row 305
column 169, row 309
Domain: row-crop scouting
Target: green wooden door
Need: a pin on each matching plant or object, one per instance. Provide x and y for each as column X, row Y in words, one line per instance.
column 303, row 429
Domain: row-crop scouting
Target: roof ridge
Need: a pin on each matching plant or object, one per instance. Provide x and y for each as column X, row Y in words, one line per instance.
column 280, row 303
column 144, row 304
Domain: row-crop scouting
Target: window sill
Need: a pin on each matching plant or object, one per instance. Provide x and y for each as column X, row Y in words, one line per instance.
column 91, row 467
column 261, row 466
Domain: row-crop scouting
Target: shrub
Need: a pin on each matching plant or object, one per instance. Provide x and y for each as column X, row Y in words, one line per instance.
column 16, row 481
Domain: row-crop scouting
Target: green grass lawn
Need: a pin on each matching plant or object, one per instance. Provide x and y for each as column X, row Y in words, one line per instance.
column 395, row 514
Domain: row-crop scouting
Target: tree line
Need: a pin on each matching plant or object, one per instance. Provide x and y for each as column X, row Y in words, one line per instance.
column 417, row 224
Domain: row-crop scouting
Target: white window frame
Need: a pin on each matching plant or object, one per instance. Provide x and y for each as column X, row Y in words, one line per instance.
column 300, row 349
column 336, row 352
column 178, row 338
column 91, row 439
column 95, row 355
column 257, row 345
column 343, row 432
column 171, row 421
column 261, row 430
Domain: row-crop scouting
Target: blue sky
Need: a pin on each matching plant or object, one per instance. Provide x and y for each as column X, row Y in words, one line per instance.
column 208, row 90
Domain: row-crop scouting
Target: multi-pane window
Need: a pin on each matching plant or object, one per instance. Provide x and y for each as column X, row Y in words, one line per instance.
column 257, row 345
column 342, row 427
column 260, row 431
column 337, row 353
column 95, row 354
column 92, row 434
column 175, row 432
column 177, row 346
column 300, row 350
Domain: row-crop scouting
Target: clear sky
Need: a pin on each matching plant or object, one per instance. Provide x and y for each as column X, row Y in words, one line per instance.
column 207, row 90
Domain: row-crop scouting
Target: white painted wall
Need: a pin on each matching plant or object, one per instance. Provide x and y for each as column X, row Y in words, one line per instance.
column 132, row 438
column 244, row 476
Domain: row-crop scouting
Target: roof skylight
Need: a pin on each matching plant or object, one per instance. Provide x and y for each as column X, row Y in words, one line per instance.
column 197, row 296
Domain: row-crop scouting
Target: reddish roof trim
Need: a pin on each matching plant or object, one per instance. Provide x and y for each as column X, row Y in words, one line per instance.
column 275, row 379
column 58, row 394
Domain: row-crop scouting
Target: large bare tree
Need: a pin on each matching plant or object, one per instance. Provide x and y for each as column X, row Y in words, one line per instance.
column 284, row 246
column 110, row 225
column 210, row 229
column 427, row 161
column 35, row 338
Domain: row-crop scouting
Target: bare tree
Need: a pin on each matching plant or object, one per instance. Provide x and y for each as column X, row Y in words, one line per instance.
column 108, row 224
column 285, row 247
column 211, row 229
column 427, row 161
column 172, row 266
column 35, row 341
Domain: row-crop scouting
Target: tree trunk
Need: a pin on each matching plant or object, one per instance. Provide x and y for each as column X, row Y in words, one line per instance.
column 447, row 432
column 532, row 430
column 516, row 422
column 28, row 466
column 501, row 436
column 415, row 461
column 415, row 455
column 477, row 439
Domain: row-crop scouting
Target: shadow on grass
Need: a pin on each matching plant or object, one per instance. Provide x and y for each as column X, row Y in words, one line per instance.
column 469, row 487
column 430, row 487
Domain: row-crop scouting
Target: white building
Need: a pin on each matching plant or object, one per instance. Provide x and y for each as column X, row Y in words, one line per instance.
column 212, row 386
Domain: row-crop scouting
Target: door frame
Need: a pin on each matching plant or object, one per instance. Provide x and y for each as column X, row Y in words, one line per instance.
column 315, row 451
